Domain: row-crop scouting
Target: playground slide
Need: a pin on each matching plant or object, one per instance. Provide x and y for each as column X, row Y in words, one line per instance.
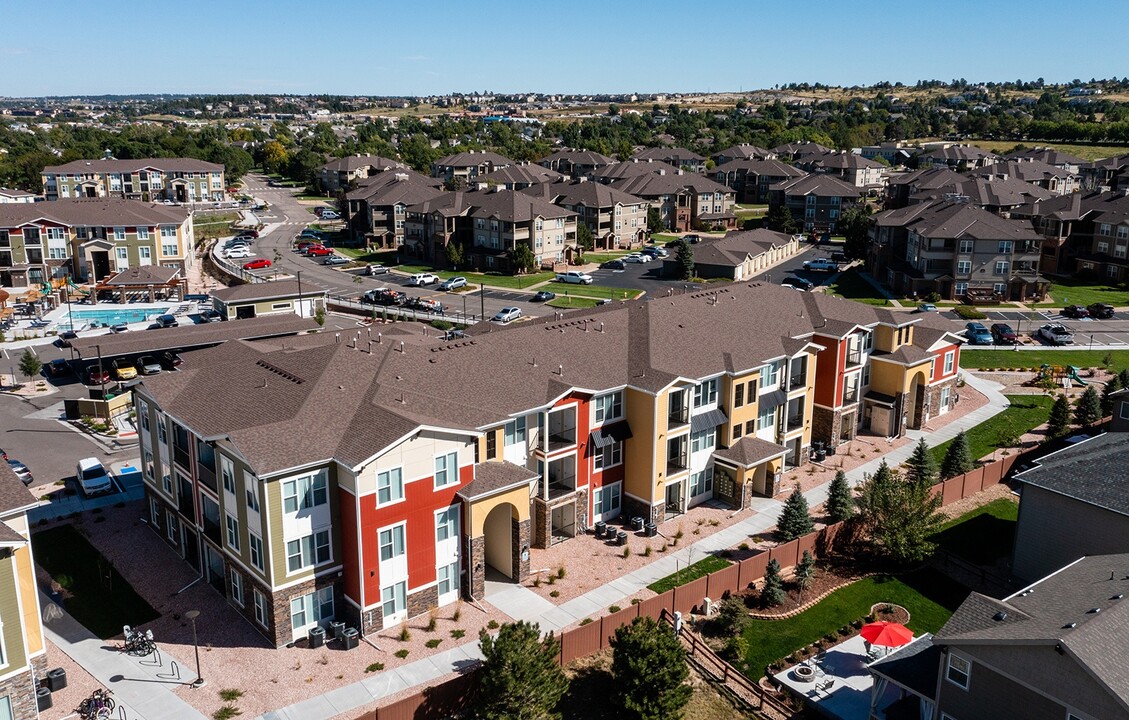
column 77, row 288
column 1072, row 373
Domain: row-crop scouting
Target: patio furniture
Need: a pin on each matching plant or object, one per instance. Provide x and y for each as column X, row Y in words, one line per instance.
column 825, row 686
column 886, row 634
column 804, row 673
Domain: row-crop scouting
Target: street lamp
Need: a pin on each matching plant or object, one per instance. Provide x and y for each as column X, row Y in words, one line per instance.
column 192, row 615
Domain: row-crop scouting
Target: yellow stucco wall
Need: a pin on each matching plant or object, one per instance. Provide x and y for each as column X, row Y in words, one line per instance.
column 474, row 516
column 645, row 451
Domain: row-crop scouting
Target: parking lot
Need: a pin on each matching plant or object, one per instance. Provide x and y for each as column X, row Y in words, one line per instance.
column 1088, row 332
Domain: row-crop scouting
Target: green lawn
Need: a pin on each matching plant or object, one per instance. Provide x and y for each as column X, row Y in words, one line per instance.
column 511, row 282
column 703, row 567
column 573, row 302
column 662, row 238
column 591, row 291
column 322, row 198
column 96, row 594
column 974, row 358
column 384, row 257
column 929, row 596
column 1072, row 291
column 1026, row 412
column 1086, row 152
column 602, row 257
column 853, row 287
column 983, row 535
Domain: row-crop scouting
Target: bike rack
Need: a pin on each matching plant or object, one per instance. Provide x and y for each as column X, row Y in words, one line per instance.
column 156, row 655
column 174, row 671
column 122, row 714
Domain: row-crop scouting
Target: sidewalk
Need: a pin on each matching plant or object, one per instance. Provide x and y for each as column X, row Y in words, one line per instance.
column 522, row 603
column 142, row 687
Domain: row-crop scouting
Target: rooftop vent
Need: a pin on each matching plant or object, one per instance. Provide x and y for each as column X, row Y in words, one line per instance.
column 1000, row 616
column 1093, row 611
column 1069, row 626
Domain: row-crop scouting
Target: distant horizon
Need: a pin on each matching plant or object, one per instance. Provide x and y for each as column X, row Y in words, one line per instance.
column 288, row 47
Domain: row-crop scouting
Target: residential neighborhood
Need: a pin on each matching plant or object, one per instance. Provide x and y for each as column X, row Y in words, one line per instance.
column 436, row 385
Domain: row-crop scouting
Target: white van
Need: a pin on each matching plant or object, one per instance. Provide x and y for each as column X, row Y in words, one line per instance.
column 92, row 477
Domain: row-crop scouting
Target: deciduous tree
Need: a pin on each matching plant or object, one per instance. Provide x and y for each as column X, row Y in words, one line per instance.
column 900, row 516
column 30, row 365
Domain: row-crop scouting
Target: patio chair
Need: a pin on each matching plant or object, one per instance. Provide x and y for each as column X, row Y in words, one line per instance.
column 825, row 686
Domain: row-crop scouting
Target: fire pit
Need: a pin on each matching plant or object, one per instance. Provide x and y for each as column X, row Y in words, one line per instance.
column 804, row 673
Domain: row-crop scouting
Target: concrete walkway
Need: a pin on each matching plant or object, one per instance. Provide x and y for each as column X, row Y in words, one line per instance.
column 523, row 604
column 140, row 685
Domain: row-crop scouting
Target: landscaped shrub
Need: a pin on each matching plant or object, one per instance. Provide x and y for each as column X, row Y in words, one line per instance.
column 968, row 312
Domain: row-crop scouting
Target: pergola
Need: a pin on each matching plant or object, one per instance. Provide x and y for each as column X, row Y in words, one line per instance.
column 145, row 278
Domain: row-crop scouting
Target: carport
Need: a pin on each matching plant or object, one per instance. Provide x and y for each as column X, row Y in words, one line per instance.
column 154, row 281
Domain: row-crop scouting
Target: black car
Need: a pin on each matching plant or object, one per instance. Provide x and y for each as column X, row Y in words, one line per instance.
column 1101, row 311
column 166, row 321
column 1003, row 334
column 57, row 368
column 614, row 265
column 544, row 296
column 66, row 337
column 1075, row 311
column 798, row 283
column 208, row 316
column 170, row 360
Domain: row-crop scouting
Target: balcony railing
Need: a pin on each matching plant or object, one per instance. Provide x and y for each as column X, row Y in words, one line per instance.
column 797, row 381
column 559, row 441
column 676, row 465
column 679, row 416
column 795, row 422
column 212, row 531
column 850, row 395
column 854, row 358
column 207, row 477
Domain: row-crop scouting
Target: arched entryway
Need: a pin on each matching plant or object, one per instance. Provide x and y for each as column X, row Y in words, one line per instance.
column 498, row 532
column 914, row 410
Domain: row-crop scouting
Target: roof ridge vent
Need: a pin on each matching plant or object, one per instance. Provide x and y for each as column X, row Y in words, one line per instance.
column 280, row 372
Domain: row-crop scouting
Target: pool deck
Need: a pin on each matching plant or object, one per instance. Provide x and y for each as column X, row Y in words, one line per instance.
column 841, row 684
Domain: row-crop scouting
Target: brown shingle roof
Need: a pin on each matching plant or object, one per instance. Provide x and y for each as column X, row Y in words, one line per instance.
column 93, row 212
column 144, row 275
column 14, row 495
column 474, row 158
column 819, row 185
column 129, row 166
column 194, row 336
column 266, row 291
column 350, row 163
column 751, row 450
column 493, row 477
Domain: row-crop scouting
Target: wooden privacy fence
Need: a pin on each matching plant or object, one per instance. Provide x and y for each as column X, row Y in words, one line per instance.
column 584, row 640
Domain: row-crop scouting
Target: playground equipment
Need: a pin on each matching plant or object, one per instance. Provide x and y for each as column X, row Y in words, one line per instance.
column 82, row 292
column 1058, row 372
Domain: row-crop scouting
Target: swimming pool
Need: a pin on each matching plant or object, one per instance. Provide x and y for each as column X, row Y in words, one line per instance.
column 89, row 317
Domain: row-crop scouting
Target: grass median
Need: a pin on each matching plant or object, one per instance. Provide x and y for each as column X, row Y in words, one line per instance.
column 853, row 286
column 1025, row 413
column 496, row 280
column 600, row 292
column 972, row 358
column 690, row 573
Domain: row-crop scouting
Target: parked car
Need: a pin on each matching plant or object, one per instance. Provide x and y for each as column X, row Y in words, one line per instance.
column 57, row 368
column 692, row 239
column 575, row 277
column 258, row 264
column 384, row 296
column 821, row 265
column 123, row 370
column 317, row 251
column 422, row 279
column 237, row 253
column 92, row 477
column 66, row 337
column 426, row 305
column 1056, row 334
column 544, row 296
column 250, row 233
column 614, row 265
column 1075, row 311
column 246, row 236
column 506, row 315
column 119, row 329
column 1101, row 311
column 797, row 283
column 21, row 471
column 336, row 260
column 453, row 283
column 375, row 269
column 169, row 321
column 637, row 258
column 1003, row 334
column 656, row 251
column 170, row 360
column 329, row 215
column 454, row 334
column 148, row 365
column 97, row 375
column 926, row 307
column 304, row 245
column 209, row 316
column 977, row 334
column 310, row 233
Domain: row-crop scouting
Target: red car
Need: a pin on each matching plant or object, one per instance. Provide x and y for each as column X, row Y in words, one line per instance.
column 96, row 375
column 317, row 251
column 250, row 233
column 257, row 264
column 302, row 246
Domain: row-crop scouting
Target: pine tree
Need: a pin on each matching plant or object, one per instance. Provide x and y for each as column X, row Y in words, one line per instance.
column 958, row 458
column 1058, row 424
column 900, row 516
column 805, row 572
column 795, row 519
column 454, row 254
column 650, row 672
column 655, row 222
column 1111, row 386
column 840, row 502
column 1087, row 408
column 684, row 254
column 1123, row 377
column 921, row 468
column 519, row 676
column 772, row 592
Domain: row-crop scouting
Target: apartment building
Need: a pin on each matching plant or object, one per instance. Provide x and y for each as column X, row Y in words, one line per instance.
column 343, row 173
column 681, row 158
column 957, row 250
column 742, row 151
column 576, row 163
column 919, row 186
column 750, row 179
column 8, row 195
column 377, row 210
column 463, row 168
column 958, row 157
column 90, row 239
column 23, row 650
column 1107, row 174
column 517, row 177
column 850, row 168
column 686, row 200
column 816, row 201
column 1056, row 158
column 489, row 224
column 1086, row 233
column 797, row 150
column 181, row 180
column 411, row 465
column 997, row 194
column 616, row 219
column 1035, row 172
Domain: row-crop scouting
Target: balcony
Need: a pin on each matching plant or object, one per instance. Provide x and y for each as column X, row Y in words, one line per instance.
column 678, row 412
column 797, row 381
column 795, row 421
column 854, row 358
column 850, row 395
column 561, row 430
column 559, row 480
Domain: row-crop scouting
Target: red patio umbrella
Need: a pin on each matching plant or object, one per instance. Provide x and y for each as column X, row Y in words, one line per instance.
column 886, row 634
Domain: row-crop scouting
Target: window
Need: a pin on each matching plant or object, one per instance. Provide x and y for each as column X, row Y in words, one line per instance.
column 609, row 456
column 769, row 375
column 170, row 526
column 515, row 431
column 311, row 608
column 705, row 393
column 701, row 482
column 237, row 588
column 304, row 493
column 738, row 395
column 703, row 440
column 143, row 233
column 736, row 431
column 966, row 247
column 1103, row 247
column 256, row 544
column 251, row 483
column 491, row 445
column 232, row 532
column 306, row 551
column 950, row 359
column 958, row 670
column 751, row 397
column 260, row 608
column 170, row 250
column 447, row 525
column 1002, row 267
column 447, row 578
column 964, row 267
column 227, row 472
column 389, row 486
column 1103, row 229
column 119, row 233
column 1005, row 247
column 154, row 512
column 446, row 469
column 609, row 407
column 766, row 418
column 944, row 401
column 1124, row 412
column 391, row 542
column 607, row 499
column 394, row 599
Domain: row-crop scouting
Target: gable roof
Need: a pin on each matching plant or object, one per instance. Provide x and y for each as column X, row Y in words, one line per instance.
column 960, row 153
column 745, row 151
column 1028, row 171
column 500, row 203
column 991, row 192
column 114, row 165
column 522, row 173
column 932, row 177
column 577, row 157
column 474, row 158
column 946, row 219
column 633, row 168
column 1047, row 155
column 647, row 186
column 818, row 184
column 92, row 212
column 401, row 187
column 771, row 167
column 1092, row 471
column 674, row 156
column 733, row 248
column 589, row 194
column 350, row 163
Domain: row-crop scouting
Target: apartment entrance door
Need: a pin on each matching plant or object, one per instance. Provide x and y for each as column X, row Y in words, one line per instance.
column 674, row 499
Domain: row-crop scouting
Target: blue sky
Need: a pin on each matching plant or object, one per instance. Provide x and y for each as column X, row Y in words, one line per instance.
column 382, row 47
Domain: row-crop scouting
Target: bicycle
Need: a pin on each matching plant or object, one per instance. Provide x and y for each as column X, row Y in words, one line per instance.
column 138, row 643
column 98, row 706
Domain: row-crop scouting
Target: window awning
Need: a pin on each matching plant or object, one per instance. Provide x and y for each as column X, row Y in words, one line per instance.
column 773, row 398
column 707, row 420
column 601, row 437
